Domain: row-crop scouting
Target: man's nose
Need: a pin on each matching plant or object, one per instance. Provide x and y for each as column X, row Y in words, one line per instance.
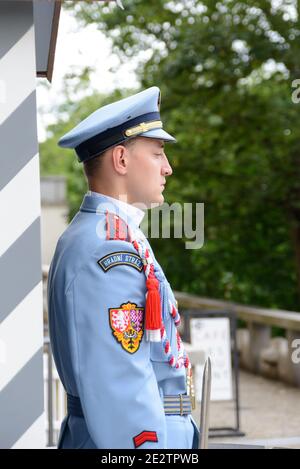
column 167, row 169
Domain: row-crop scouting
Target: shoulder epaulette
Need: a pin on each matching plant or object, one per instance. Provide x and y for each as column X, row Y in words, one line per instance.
column 117, row 228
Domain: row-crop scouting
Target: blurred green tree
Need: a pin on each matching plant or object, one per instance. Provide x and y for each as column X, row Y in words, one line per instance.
column 226, row 71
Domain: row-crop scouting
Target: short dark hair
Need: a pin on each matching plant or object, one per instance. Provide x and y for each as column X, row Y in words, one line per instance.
column 93, row 166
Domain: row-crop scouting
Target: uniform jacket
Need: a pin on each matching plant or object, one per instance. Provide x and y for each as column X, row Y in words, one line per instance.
column 96, row 291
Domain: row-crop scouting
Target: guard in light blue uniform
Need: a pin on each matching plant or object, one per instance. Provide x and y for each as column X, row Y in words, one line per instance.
column 113, row 317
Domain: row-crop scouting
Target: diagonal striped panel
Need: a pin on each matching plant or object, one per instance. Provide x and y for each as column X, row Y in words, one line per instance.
column 20, row 269
column 13, row 27
column 19, row 210
column 34, row 437
column 18, row 137
column 16, row 89
column 14, row 331
column 21, row 313
column 20, row 404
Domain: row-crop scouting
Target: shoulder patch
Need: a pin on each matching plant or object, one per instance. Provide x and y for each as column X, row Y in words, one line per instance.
column 127, row 322
column 121, row 258
column 116, row 228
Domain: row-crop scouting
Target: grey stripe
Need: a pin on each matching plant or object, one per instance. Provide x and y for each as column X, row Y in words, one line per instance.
column 18, row 137
column 13, row 26
column 20, row 268
column 21, row 403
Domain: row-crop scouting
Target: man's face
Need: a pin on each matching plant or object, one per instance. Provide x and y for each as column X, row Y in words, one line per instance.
column 148, row 168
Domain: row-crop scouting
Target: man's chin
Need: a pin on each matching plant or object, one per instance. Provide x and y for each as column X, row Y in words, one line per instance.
column 151, row 202
column 158, row 201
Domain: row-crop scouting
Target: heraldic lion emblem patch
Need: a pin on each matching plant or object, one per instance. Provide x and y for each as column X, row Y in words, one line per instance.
column 127, row 325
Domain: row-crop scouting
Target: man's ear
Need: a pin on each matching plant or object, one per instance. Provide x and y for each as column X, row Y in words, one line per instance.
column 120, row 159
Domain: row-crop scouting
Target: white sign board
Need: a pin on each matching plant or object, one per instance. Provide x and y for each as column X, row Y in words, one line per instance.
column 212, row 335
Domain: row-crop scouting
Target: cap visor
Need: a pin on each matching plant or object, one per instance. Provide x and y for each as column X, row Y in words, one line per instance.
column 158, row 133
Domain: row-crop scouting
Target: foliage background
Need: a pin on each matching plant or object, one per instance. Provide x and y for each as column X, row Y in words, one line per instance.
column 226, row 72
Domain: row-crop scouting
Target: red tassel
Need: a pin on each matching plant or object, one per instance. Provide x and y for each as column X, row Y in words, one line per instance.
column 153, row 309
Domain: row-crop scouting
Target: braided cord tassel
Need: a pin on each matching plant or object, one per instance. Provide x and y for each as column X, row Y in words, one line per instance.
column 153, row 321
column 174, row 313
column 155, row 329
column 182, row 358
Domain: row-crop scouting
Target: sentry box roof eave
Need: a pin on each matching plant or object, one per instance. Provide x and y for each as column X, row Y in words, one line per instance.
column 46, row 18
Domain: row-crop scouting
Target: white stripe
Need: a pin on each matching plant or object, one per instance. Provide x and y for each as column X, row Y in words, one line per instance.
column 19, row 204
column 21, row 335
column 16, row 85
column 2, row 92
column 34, row 437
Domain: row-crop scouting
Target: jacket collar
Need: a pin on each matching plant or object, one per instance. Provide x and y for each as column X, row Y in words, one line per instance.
column 100, row 203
